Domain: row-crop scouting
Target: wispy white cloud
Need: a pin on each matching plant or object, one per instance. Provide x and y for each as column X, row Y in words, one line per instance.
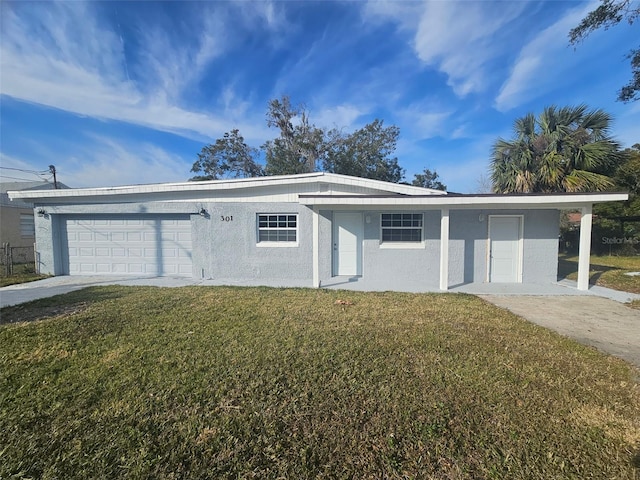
column 339, row 116
column 457, row 38
column 542, row 63
column 60, row 55
column 421, row 122
column 119, row 163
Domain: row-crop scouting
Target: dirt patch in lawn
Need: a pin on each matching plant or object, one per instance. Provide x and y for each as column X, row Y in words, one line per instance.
column 21, row 313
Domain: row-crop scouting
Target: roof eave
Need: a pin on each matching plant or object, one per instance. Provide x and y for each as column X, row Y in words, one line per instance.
column 223, row 185
column 466, row 201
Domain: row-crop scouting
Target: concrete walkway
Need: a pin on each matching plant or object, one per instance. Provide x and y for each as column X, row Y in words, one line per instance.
column 595, row 317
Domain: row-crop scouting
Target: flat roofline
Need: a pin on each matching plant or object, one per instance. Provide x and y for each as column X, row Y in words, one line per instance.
column 467, row 195
column 563, row 200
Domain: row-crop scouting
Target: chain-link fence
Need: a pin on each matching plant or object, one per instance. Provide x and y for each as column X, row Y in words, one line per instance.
column 15, row 260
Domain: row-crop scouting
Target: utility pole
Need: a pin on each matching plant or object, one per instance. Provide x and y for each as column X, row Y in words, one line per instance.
column 52, row 169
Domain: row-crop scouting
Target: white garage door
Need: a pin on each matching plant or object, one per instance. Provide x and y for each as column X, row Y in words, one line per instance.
column 154, row 245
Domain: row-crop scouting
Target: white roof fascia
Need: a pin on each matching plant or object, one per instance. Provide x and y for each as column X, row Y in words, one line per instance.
column 221, row 185
column 470, row 201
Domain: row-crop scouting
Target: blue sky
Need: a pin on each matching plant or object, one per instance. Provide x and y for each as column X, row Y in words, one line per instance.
column 116, row 93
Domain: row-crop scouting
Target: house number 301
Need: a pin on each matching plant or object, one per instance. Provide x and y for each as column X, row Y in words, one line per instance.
column 226, row 218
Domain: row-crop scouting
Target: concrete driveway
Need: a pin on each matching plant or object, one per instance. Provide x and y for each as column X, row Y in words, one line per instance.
column 48, row 287
column 602, row 323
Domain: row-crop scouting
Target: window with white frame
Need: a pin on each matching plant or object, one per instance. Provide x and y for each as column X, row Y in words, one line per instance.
column 277, row 228
column 401, row 227
column 27, row 226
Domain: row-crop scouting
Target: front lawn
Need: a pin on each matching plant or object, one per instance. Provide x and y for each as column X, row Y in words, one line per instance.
column 606, row 271
column 204, row 382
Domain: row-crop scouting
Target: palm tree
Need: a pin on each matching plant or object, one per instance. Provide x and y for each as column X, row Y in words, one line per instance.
column 563, row 150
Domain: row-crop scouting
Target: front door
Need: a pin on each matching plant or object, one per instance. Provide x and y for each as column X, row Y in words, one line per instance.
column 505, row 249
column 347, row 243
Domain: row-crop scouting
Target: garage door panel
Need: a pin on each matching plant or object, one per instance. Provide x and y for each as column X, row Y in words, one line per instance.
column 154, row 246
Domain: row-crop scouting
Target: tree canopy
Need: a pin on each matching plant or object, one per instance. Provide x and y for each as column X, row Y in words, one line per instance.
column 299, row 146
column 564, row 149
column 367, row 152
column 230, row 156
column 628, row 173
column 428, row 179
column 608, row 14
column 302, row 147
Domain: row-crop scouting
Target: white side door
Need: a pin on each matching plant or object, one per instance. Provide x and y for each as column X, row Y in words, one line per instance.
column 505, row 249
column 347, row 243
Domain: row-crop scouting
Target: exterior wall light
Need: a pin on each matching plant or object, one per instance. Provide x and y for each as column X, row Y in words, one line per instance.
column 202, row 212
column 41, row 212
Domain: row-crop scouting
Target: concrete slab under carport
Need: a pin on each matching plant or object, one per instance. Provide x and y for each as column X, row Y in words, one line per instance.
column 561, row 288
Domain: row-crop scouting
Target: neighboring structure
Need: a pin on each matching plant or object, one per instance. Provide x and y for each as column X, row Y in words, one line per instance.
column 17, row 226
column 315, row 229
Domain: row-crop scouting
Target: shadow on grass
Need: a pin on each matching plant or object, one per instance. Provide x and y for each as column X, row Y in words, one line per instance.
column 58, row 305
column 568, row 269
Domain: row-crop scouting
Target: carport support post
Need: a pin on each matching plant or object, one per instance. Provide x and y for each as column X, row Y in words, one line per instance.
column 444, row 249
column 585, row 247
column 315, row 242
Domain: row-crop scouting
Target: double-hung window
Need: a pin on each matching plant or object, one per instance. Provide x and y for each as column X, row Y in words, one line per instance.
column 404, row 228
column 278, row 228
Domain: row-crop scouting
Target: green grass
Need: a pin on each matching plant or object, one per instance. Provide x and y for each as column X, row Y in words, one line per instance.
column 197, row 382
column 606, row 271
column 20, row 278
column 22, row 273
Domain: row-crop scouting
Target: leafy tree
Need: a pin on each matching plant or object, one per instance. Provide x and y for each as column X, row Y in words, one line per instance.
column 562, row 150
column 300, row 144
column 228, row 157
column 608, row 14
column 428, row 179
column 365, row 153
column 302, row 147
column 628, row 173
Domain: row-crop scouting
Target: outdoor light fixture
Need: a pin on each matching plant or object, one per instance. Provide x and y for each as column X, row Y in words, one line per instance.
column 202, row 212
column 41, row 212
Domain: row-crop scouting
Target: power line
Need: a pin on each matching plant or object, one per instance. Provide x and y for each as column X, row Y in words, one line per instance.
column 37, row 172
column 23, row 179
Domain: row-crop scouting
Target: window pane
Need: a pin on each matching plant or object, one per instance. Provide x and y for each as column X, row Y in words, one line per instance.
column 401, row 227
column 277, row 228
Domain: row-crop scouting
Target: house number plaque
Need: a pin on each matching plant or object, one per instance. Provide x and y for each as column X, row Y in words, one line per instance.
column 226, row 218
